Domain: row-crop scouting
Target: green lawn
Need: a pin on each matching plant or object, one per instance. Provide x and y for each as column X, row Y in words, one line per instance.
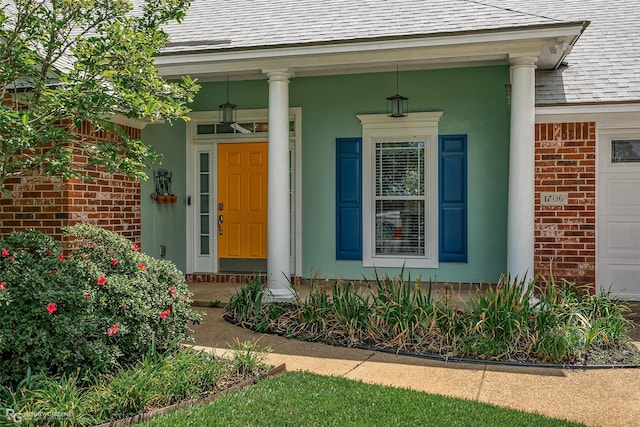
column 304, row 399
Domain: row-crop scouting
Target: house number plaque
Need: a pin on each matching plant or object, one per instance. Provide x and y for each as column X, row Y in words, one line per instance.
column 554, row 199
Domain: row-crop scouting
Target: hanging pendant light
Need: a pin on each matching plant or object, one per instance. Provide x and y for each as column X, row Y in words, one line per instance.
column 227, row 110
column 397, row 105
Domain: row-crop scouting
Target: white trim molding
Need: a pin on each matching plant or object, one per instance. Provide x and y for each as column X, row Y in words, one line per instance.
column 201, row 143
column 421, row 127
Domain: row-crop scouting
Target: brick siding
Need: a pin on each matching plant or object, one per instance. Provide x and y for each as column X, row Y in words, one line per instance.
column 565, row 162
column 49, row 203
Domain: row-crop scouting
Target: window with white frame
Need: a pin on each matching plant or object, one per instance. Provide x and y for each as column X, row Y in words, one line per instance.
column 400, row 190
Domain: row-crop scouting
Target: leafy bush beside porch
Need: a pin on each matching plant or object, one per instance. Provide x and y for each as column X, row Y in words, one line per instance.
column 92, row 306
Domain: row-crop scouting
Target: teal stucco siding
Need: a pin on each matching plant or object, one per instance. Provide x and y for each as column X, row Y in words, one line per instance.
column 165, row 224
column 474, row 103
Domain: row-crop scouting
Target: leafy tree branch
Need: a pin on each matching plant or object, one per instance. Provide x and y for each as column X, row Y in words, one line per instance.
column 65, row 63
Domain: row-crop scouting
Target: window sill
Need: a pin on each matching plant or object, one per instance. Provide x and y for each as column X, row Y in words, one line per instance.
column 399, row 262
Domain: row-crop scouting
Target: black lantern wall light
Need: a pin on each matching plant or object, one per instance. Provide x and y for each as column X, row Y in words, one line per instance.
column 397, row 105
column 227, row 110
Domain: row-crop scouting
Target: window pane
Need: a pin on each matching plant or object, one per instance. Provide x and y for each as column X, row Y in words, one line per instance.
column 400, row 227
column 224, row 128
column 399, row 169
column 204, row 162
column 204, row 224
column 204, row 203
column 625, row 151
column 205, row 129
column 243, row 127
column 261, row 127
column 204, row 183
column 204, row 245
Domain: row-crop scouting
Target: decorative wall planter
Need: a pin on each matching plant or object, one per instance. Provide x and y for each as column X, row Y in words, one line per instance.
column 164, row 199
column 162, row 181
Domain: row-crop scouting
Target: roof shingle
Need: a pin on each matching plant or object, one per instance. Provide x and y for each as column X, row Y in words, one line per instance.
column 601, row 68
column 604, row 64
column 261, row 23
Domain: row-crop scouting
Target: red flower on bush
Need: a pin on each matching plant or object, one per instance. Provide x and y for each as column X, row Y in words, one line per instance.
column 165, row 313
column 135, row 247
column 142, row 266
column 61, row 257
column 11, row 258
column 5, row 253
column 51, row 308
column 114, row 330
column 48, row 251
column 114, row 262
column 86, row 296
column 3, row 285
column 102, row 280
column 54, row 271
column 185, row 297
column 172, row 291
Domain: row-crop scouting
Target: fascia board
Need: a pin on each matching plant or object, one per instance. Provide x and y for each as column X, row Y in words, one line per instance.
column 568, row 30
column 469, row 42
column 607, row 116
column 577, row 109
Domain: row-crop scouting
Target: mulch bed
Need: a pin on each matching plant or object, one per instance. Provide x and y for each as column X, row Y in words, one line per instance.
column 622, row 356
column 634, row 316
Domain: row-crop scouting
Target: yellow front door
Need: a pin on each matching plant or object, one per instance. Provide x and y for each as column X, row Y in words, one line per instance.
column 242, row 200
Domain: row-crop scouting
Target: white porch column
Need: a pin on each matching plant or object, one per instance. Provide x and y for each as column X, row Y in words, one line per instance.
column 278, row 228
column 521, row 204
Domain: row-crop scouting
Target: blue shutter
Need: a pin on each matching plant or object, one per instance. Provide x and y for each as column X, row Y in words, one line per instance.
column 452, row 209
column 349, row 198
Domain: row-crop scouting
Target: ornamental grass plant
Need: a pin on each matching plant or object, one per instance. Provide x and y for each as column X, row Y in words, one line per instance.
column 154, row 382
column 510, row 321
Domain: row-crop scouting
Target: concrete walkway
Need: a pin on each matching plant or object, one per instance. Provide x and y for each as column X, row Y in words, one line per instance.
column 608, row 397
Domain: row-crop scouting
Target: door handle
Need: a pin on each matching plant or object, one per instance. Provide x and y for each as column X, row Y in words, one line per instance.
column 220, row 221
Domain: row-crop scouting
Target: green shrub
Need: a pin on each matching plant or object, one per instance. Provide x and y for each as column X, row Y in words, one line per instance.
column 511, row 320
column 156, row 381
column 93, row 306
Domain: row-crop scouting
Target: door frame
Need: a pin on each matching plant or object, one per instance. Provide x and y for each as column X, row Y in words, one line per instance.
column 208, row 143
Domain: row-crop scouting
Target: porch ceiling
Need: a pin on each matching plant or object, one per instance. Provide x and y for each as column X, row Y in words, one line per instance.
column 550, row 43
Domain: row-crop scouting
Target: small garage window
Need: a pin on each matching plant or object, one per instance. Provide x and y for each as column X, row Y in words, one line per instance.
column 625, row 151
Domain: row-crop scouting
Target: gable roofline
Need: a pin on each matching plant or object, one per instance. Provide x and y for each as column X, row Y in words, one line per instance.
column 549, row 42
column 205, row 46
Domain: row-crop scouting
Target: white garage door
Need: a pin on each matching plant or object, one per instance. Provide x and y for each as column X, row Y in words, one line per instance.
column 618, row 230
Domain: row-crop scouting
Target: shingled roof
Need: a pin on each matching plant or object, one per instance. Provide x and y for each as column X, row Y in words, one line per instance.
column 262, row 23
column 604, row 64
column 600, row 68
